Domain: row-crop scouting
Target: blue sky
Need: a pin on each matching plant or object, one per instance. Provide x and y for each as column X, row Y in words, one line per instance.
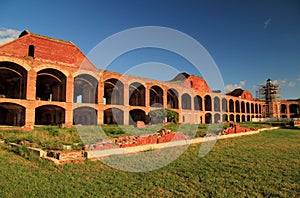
column 250, row 41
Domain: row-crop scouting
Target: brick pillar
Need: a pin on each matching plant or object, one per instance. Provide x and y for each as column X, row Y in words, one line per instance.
column 147, row 96
column 288, row 115
column 179, row 100
column 126, row 116
column 69, row 115
column 126, row 95
column 100, row 115
column 31, row 85
column 165, row 98
column 30, row 114
column 100, row 92
column 69, row 89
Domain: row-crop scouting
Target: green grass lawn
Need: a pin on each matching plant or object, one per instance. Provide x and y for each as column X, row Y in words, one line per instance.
column 53, row 137
column 262, row 165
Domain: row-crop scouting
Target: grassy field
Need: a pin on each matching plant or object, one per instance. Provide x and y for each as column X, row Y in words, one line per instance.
column 53, row 137
column 262, row 165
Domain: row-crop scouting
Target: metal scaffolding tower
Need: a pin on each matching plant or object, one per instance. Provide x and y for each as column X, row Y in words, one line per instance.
column 270, row 93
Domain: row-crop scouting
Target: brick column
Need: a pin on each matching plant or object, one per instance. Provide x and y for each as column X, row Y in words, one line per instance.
column 165, row 98
column 100, row 115
column 30, row 113
column 147, row 96
column 69, row 114
column 126, row 116
column 126, row 95
column 69, row 88
column 31, row 85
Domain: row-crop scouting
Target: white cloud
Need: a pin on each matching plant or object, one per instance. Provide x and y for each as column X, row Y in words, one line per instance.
column 283, row 82
column 7, row 35
column 267, row 22
column 291, row 84
column 231, row 87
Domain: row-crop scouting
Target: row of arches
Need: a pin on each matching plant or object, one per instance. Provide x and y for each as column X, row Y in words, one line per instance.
column 292, row 110
column 51, row 85
column 14, row 115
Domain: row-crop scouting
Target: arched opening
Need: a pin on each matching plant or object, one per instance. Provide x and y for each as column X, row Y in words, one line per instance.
column 136, row 94
column 243, row 118
column 198, row 103
column 51, row 85
column 217, row 118
column 252, row 108
column 172, row 99
column 207, row 103
column 186, row 101
column 294, row 111
column 13, row 81
column 247, row 107
column 243, row 106
column 224, row 117
column 49, row 115
column 248, row 118
column 259, row 109
column 237, row 118
column 137, row 115
column 85, row 89
column 256, row 108
column 283, row 108
column 231, row 117
column 208, row 119
column 113, row 92
column 12, row 114
column 237, row 106
column 231, row 106
column 156, row 96
column 113, row 116
column 217, row 104
column 85, row 116
column 224, row 105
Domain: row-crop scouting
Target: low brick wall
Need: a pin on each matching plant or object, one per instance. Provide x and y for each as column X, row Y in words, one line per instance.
column 162, row 136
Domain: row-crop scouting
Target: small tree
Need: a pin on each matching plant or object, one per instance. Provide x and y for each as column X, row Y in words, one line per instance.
column 157, row 115
column 172, row 116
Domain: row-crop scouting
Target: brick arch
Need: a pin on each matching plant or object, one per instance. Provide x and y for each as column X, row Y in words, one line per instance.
column 114, row 91
column 16, row 61
column 231, row 106
column 12, row 114
column 85, row 89
column 48, row 66
column 85, row 115
column 172, row 98
column 113, row 116
column 207, row 103
column 13, row 81
column 87, row 72
column 51, row 85
column 137, row 94
column 137, row 115
column 198, row 103
column 186, row 102
column 49, row 115
column 156, row 95
column 217, row 104
column 224, row 105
